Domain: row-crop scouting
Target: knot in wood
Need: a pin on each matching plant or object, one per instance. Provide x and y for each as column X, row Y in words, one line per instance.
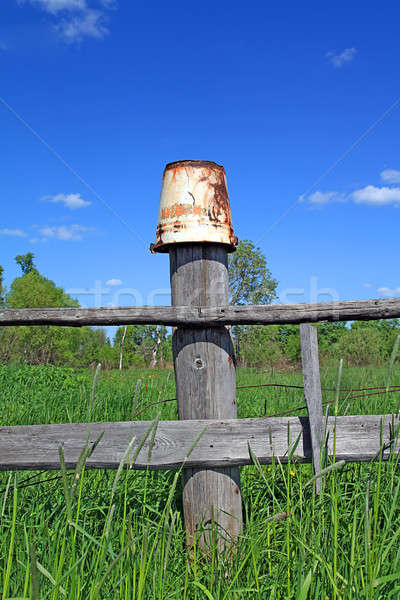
column 199, row 363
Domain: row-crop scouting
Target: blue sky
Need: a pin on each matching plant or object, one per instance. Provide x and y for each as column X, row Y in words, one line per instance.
column 299, row 101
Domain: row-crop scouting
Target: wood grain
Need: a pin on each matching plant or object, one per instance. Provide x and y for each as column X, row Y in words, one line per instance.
column 205, row 378
column 200, row 316
column 223, row 444
column 312, row 392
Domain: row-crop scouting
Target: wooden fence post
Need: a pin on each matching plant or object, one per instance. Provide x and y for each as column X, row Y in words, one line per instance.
column 312, row 392
column 195, row 227
column 205, row 376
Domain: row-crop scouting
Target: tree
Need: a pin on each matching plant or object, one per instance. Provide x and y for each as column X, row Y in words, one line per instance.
column 2, row 290
column 388, row 330
column 68, row 346
column 40, row 345
column 260, row 346
column 121, row 352
column 250, row 280
column 289, row 337
column 143, row 345
column 6, row 339
column 25, row 261
column 361, row 346
column 32, row 290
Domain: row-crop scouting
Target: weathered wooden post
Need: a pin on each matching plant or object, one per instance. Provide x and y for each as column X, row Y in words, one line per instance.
column 313, row 393
column 195, row 228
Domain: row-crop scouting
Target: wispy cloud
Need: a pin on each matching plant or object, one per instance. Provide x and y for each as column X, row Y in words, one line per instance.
column 56, row 6
column 110, row 4
column 75, row 19
column 390, row 176
column 89, row 23
column 114, row 282
column 72, row 201
column 368, row 285
column 15, row 232
column 341, row 58
column 319, row 198
column 70, row 233
column 389, row 292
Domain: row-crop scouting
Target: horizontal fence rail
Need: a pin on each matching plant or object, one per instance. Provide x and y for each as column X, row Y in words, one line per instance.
column 223, row 443
column 354, row 310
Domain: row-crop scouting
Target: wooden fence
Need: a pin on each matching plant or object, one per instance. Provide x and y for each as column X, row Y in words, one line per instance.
column 222, row 443
column 206, row 316
column 225, row 442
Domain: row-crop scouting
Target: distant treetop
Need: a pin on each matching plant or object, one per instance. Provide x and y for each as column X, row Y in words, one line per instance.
column 25, row 261
column 250, row 280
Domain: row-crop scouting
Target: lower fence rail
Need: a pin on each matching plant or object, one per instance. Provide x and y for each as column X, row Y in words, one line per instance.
column 220, row 443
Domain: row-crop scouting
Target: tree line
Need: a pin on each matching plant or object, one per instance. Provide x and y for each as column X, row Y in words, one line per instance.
column 139, row 346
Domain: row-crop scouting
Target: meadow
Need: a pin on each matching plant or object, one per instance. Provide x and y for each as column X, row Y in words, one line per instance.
column 120, row 535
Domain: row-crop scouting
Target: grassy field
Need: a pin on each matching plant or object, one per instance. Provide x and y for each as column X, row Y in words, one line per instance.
column 109, row 535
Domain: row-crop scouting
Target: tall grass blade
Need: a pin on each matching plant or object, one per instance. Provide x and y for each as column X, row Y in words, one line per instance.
column 135, row 402
column 153, row 436
column 93, row 391
column 204, row 590
column 6, row 495
column 303, row 591
column 64, row 477
column 49, row 576
column 334, row 467
column 392, row 361
column 121, row 466
column 34, row 571
column 7, row 574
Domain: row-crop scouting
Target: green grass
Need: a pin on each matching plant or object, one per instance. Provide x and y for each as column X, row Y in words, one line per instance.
column 108, row 535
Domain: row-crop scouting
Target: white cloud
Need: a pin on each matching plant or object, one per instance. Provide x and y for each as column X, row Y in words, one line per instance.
column 110, row 4
column 377, row 196
column 390, row 176
column 389, row 292
column 370, row 195
column 75, row 19
column 71, row 201
column 113, row 282
column 89, row 23
column 55, row 6
column 16, row 232
column 319, row 197
column 72, row 233
column 340, row 59
column 367, row 285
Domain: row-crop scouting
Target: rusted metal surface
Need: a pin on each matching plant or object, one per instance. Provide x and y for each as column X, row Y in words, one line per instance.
column 194, row 206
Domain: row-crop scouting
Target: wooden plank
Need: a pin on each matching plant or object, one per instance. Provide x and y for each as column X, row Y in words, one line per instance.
column 224, row 443
column 205, row 376
column 200, row 316
column 312, row 392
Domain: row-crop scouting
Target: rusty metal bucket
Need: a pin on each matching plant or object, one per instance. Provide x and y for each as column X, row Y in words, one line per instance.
column 194, row 206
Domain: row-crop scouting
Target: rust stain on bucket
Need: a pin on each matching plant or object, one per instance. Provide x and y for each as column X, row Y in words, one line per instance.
column 194, row 206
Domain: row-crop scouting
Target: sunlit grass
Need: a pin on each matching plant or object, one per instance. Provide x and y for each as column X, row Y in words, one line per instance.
column 107, row 534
